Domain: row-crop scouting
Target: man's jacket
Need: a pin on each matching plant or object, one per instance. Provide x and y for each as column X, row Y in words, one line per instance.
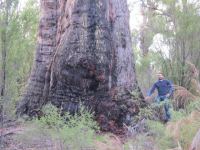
column 163, row 87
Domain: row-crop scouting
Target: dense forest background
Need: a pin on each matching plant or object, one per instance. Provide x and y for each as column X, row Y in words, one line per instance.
column 167, row 40
column 18, row 37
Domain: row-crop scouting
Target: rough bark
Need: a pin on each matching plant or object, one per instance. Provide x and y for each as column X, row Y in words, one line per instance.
column 32, row 98
column 89, row 60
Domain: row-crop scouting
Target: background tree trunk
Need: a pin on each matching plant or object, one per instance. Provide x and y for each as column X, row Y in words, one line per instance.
column 84, row 55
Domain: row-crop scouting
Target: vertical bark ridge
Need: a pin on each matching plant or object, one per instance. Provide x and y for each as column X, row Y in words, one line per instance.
column 46, row 43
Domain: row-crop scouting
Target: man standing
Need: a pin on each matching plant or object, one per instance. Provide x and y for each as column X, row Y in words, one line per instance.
column 165, row 91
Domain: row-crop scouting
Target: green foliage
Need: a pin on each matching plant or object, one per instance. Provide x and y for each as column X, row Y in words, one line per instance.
column 20, row 34
column 178, row 115
column 178, row 22
column 141, row 142
column 188, row 128
column 144, row 71
column 188, row 132
column 162, row 138
column 21, row 47
column 193, row 106
column 73, row 132
column 145, row 113
column 156, row 138
column 154, row 111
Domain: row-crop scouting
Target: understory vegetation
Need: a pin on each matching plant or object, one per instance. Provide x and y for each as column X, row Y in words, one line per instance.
column 178, row 133
column 167, row 41
column 82, row 132
column 61, row 131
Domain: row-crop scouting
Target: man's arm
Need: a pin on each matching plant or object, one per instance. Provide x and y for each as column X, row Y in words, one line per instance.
column 171, row 89
column 152, row 90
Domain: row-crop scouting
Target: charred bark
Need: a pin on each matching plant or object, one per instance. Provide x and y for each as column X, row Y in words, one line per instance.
column 91, row 61
column 32, row 98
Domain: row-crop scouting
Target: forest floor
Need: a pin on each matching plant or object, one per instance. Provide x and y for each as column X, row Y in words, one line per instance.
column 16, row 135
column 11, row 131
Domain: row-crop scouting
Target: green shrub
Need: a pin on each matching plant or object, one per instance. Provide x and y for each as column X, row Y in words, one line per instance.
column 193, row 106
column 177, row 115
column 188, row 132
column 163, row 139
column 145, row 113
column 141, row 142
column 71, row 132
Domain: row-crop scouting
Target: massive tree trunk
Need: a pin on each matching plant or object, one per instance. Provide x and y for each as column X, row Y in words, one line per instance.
column 84, row 55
